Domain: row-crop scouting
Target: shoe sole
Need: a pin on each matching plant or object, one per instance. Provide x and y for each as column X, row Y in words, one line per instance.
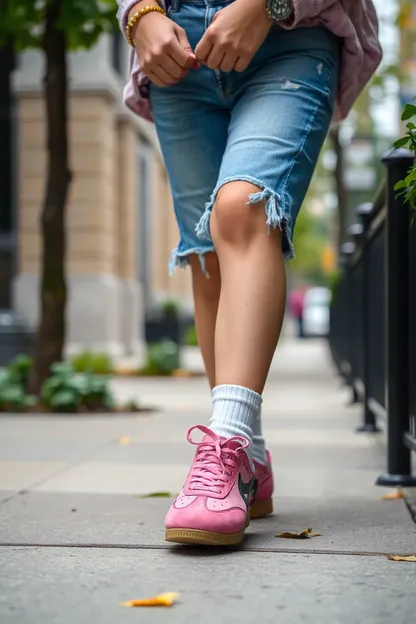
column 261, row 509
column 205, row 538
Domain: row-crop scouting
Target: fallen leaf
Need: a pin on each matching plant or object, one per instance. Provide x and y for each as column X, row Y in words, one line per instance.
column 181, row 372
column 156, row 495
column 399, row 558
column 302, row 535
column 162, row 600
column 124, row 440
column 395, row 495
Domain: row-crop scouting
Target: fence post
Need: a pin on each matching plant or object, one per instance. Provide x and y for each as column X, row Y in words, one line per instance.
column 347, row 252
column 369, row 421
column 397, row 162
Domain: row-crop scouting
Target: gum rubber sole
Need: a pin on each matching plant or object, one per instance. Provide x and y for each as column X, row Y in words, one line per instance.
column 261, row 509
column 203, row 538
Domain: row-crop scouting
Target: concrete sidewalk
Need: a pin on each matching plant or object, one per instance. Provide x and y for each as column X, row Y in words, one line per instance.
column 76, row 539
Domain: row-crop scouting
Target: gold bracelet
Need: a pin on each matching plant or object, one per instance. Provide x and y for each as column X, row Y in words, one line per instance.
column 138, row 15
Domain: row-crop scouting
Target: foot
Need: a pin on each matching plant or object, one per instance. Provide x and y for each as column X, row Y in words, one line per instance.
column 262, row 504
column 213, row 507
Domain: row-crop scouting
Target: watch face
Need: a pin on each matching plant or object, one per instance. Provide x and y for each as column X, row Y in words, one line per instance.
column 279, row 9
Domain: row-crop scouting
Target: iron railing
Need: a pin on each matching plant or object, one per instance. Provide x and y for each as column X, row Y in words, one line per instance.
column 373, row 320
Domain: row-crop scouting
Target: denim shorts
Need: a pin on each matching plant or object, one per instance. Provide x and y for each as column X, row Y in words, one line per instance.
column 265, row 125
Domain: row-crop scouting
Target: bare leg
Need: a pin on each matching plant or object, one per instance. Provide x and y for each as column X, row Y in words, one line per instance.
column 206, row 298
column 253, row 287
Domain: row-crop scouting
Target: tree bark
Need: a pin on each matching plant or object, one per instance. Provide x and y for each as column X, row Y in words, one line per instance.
column 341, row 190
column 51, row 329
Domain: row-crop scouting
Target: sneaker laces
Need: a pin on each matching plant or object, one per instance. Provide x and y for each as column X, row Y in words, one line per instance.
column 215, row 460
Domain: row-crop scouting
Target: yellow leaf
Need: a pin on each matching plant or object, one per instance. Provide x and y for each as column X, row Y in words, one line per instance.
column 162, row 600
column 395, row 495
column 124, row 440
column 399, row 558
column 156, row 495
column 181, row 372
column 302, row 535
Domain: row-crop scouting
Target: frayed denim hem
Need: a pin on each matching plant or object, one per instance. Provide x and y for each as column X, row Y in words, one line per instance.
column 275, row 216
column 180, row 259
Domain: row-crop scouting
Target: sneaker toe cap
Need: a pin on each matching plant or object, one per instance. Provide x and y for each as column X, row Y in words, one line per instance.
column 217, row 518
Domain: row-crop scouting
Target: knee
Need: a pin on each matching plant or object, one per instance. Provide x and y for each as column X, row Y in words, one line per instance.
column 234, row 220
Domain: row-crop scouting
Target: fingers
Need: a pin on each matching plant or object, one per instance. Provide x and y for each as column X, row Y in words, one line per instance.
column 218, row 55
column 204, row 47
column 215, row 58
column 242, row 64
column 172, row 67
column 161, row 77
column 229, row 62
column 156, row 80
column 181, row 50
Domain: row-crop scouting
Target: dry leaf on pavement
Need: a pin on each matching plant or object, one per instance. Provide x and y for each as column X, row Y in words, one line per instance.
column 395, row 495
column 156, row 495
column 162, row 600
column 302, row 535
column 399, row 558
column 181, row 372
column 124, row 440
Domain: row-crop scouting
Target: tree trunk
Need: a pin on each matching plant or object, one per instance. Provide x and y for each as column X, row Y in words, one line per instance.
column 51, row 330
column 341, row 190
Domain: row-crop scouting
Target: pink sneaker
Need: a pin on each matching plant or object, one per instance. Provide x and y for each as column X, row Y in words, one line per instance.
column 213, row 507
column 262, row 504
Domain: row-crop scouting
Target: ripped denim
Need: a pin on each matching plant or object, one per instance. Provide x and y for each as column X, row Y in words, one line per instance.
column 265, row 125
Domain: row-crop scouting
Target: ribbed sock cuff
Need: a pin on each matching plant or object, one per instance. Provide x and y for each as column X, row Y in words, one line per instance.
column 235, row 409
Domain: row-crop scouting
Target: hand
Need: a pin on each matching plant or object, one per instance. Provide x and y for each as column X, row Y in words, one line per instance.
column 163, row 49
column 234, row 36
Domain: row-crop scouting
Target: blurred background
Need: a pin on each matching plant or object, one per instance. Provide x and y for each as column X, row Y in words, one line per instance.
column 120, row 224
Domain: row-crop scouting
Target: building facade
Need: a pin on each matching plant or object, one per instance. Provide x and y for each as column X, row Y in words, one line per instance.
column 120, row 221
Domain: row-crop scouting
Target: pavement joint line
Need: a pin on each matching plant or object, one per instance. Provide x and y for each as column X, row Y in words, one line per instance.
column 69, row 466
column 207, row 551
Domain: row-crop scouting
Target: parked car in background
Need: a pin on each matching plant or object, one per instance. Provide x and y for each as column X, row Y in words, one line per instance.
column 316, row 312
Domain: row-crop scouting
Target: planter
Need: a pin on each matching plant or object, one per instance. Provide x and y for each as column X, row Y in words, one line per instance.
column 15, row 338
column 163, row 328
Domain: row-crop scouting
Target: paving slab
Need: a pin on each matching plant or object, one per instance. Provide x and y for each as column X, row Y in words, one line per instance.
column 58, row 585
column 347, row 524
column 15, row 475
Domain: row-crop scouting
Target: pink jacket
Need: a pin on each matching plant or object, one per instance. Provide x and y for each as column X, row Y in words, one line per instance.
column 354, row 21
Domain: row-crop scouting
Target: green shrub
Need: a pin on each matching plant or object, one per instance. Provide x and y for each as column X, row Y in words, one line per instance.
column 162, row 358
column 408, row 185
column 170, row 307
column 68, row 391
column 19, row 369
column 13, row 397
column 190, row 337
column 89, row 362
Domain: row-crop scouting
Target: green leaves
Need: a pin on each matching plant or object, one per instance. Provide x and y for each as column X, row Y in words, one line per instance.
column 162, row 358
column 409, row 112
column 68, row 391
column 13, row 397
column 82, row 20
column 408, row 185
column 90, row 362
column 401, row 142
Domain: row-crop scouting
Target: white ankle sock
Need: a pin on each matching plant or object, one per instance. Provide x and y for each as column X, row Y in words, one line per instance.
column 234, row 411
column 259, row 444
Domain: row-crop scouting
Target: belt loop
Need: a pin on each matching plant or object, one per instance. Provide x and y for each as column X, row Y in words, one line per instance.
column 175, row 5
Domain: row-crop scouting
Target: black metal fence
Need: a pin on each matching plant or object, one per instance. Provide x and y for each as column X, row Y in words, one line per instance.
column 373, row 320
